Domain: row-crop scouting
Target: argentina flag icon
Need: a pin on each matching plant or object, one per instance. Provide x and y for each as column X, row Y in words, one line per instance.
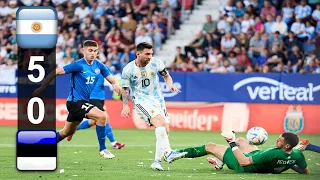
column 37, row 27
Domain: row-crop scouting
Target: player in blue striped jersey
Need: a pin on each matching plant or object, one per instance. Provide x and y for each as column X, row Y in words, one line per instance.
column 84, row 74
column 97, row 98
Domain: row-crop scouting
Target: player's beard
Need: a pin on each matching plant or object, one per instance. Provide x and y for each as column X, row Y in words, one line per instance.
column 145, row 62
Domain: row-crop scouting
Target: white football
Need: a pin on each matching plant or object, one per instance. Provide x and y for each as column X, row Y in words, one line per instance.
column 257, row 136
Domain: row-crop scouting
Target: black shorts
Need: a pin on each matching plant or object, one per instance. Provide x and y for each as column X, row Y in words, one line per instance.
column 98, row 103
column 78, row 110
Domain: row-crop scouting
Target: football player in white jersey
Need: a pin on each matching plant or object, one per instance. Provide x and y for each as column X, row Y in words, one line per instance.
column 140, row 80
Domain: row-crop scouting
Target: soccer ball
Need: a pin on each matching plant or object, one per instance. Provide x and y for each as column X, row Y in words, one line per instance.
column 257, row 136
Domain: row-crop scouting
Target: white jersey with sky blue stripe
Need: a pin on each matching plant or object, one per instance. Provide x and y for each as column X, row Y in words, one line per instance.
column 143, row 82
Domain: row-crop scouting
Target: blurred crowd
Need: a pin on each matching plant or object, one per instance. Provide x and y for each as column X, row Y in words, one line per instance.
column 117, row 25
column 256, row 36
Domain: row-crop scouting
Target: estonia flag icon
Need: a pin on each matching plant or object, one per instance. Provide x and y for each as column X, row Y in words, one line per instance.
column 37, row 27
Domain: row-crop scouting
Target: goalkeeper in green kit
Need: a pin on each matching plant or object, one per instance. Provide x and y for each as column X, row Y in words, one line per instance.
column 244, row 157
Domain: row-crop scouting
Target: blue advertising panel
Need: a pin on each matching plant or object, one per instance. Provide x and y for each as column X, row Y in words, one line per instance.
column 214, row 87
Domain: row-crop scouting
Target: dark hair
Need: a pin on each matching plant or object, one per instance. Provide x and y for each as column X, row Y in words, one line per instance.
column 89, row 43
column 144, row 45
column 291, row 139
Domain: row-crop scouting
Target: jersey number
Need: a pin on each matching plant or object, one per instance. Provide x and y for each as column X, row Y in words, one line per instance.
column 145, row 82
column 90, row 79
column 86, row 106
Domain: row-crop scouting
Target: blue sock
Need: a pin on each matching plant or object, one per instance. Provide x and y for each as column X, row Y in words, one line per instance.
column 59, row 138
column 101, row 134
column 84, row 124
column 313, row 148
column 109, row 133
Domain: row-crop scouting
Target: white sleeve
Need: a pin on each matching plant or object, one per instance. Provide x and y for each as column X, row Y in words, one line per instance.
column 160, row 65
column 125, row 77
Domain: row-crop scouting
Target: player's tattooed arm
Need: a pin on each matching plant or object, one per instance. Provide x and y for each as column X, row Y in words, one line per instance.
column 125, row 95
column 125, row 98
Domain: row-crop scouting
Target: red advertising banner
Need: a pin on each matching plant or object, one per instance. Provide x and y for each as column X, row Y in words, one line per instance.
column 275, row 118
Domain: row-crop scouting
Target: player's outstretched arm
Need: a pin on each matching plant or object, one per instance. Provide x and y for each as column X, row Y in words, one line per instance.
column 231, row 138
column 125, row 99
column 168, row 79
column 112, row 80
column 47, row 80
column 300, row 171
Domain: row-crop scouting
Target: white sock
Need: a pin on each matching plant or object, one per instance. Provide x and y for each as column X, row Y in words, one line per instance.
column 113, row 143
column 162, row 142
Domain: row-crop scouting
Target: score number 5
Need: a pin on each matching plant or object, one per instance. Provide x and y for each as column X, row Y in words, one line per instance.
column 33, row 66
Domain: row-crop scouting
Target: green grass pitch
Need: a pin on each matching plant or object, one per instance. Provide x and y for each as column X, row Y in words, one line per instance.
column 80, row 160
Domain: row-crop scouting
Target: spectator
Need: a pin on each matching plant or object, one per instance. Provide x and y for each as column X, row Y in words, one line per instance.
column 247, row 24
column 227, row 43
column 196, row 43
column 126, row 56
column 243, row 41
column 82, row 11
column 9, row 65
column 276, row 57
column 268, row 9
column 265, row 69
column 295, row 59
column 243, row 59
column 311, row 67
column 209, row 42
column 213, row 58
column 179, row 60
column 268, row 24
column 275, row 39
column 256, row 46
column 96, row 11
column 280, row 26
column 263, row 58
column 239, row 10
column 288, row 12
column 232, row 58
column 249, row 69
column 303, row 11
column 223, row 25
column 227, row 9
column 258, row 27
column 113, row 58
column 4, row 9
column 290, row 42
column 225, row 68
column 143, row 37
column 102, row 56
column 129, row 23
column 251, row 11
column 316, row 13
column 297, row 27
column 210, row 26
column 309, row 31
column 281, row 68
column 199, row 59
column 233, row 26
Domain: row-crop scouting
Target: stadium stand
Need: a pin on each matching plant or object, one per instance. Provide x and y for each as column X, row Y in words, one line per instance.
column 256, row 36
column 249, row 36
column 117, row 25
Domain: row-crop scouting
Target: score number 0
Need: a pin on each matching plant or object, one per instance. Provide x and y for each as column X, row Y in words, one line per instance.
column 33, row 66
